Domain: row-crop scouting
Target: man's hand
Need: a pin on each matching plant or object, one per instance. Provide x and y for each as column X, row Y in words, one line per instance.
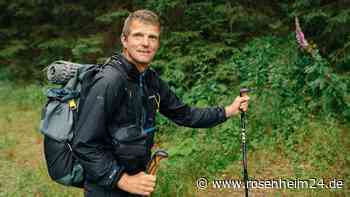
column 240, row 103
column 141, row 183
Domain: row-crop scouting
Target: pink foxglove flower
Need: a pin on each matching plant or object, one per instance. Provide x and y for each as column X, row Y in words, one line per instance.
column 300, row 35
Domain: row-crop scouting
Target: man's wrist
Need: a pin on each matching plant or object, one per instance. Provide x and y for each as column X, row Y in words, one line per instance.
column 229, row 112
column 121, row 180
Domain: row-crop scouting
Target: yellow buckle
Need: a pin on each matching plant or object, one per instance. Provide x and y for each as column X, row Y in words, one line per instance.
column 72, row 104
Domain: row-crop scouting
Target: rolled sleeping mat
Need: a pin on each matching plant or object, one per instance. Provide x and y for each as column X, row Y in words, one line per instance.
column 59, row 72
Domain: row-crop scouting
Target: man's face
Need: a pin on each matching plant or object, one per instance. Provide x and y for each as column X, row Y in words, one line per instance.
column 142, row 43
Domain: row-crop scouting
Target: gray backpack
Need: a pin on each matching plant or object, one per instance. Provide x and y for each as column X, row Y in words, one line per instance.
column 58, row 118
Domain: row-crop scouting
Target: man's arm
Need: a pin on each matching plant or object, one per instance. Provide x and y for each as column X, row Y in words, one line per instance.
column 173, row 108
column 91, row 133
column 182, row 114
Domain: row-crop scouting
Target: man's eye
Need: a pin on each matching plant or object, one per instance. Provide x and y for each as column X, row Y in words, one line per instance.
column 153, row 37
column 138, row 35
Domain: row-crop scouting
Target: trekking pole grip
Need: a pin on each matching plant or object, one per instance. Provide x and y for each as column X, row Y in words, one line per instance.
column 153, row 164
column 244, row 92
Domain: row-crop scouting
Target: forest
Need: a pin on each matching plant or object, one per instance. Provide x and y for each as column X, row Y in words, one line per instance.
column 298, row 120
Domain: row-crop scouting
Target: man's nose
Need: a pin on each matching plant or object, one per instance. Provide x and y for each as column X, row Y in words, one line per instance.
column 145, row 42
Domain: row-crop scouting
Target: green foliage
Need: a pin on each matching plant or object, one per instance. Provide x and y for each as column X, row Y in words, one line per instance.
column 110, row 18
column 54, row 49
column 327, row 24
column 55, row 28
column 209, row 49
column 14, row 48
column 88, row 48
column 5, row 75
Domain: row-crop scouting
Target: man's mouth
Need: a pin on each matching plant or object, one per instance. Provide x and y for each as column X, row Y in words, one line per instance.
column 143, row 52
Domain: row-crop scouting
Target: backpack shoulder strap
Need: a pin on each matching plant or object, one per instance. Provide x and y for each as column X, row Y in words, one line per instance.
column 115, row 62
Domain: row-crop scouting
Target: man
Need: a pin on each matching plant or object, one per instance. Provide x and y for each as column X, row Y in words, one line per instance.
column 116, row 127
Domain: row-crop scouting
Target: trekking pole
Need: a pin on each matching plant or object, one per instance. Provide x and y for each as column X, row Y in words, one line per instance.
column 244, row 92
column 153, row 164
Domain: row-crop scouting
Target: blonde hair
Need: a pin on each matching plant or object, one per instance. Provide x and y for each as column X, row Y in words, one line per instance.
column 145, row 16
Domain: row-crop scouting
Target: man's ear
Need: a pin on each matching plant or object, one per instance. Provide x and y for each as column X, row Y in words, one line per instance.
column 123, row 39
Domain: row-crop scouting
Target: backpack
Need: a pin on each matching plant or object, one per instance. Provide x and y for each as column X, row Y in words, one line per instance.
column 59, row 116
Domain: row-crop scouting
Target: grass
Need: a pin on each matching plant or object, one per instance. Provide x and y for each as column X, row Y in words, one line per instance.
column 318, row 149
column 22, row 165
